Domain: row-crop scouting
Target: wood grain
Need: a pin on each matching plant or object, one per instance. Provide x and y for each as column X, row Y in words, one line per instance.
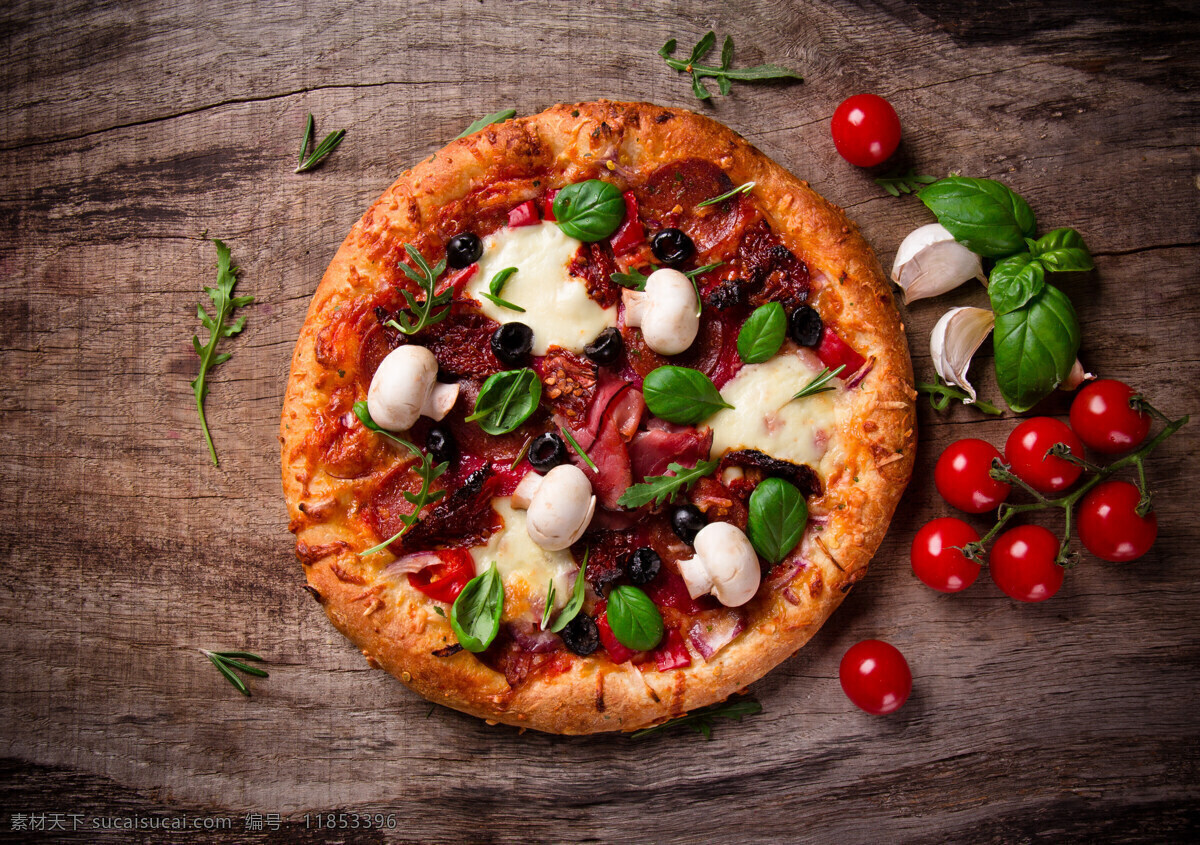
column 129, row 131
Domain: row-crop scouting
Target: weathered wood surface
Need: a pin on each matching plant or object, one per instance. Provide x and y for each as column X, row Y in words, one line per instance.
column 130, row 129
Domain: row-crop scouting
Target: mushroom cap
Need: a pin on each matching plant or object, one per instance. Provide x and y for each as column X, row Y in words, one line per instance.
column 561, row 508
column 401, row 386
column 666, row 311
column 725, row 562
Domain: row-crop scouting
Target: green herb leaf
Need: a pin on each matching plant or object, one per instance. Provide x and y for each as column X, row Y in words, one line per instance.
column 667, row 49
column 634, row 619
column 1062, row 250
column 1035, row 348
column 983, row 215
column 897, row 183
column 778, row 515
column 502, row 303
column 506, row 400
column 549, row 609
column 574, row 603
column 940, row 394
column 306, row 140
column 578, row 450
column 662, row 488
column 762, row 334
column 724, row 74
column 706, row 43
column 488, row 120
column 224, row 303
column 423, row 315
column 700, row 720
column 227, row 661
column 740, row 189
column 681, row 395
column 633, row 279
column 323, row 150
column 589, row 211
column 1014, row 281
column 496, row 285
column 475, row 614
column 820, row 382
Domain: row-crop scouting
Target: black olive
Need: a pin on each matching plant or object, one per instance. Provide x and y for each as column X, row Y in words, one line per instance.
column 547, row 451
column 686, row 522
column 581, row 635
column 440, row 445
column 672, row 246
column 805, row 326
column 606, row 348
column 463, row 250
column 511, row 343
column 642, row 566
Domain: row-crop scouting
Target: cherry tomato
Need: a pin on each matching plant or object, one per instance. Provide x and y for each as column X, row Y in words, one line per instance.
column 444, row 581
column 876, row 677
column 962, row 476
column 1023, row 564
column 1103, row 419
column 1026, row 450
column 866, row 130
column 1109, row 525
column 936, row 558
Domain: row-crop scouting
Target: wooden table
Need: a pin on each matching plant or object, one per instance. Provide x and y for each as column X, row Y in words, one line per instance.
column 132, row 131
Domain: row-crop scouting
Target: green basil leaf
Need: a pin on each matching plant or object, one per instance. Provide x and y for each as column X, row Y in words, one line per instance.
column 475, row 615
column 506, row 400
column 983, row 215
column 762, row 334
column 681, row 395
column 1015, row 281
column 589, row 211
column 488, row 120
column 574, row 603
column 635, row 621
column 1062, row 250
column 778, row 515
column 1035, row 348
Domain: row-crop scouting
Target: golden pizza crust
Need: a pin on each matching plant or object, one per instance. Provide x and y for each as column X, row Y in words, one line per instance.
column 865, row 468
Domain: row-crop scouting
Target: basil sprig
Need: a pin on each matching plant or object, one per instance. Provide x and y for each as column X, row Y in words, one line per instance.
column 1035, row 347
column 1061, row 250
column 778, row 514
column 635, row 621
column 983, row 215
column 762, row 334
column 475, row 615
column 681, row 395
column 506, row 400
column 589, row 211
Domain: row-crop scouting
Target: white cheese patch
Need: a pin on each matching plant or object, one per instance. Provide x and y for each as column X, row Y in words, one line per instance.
column 764, row 415
column 519, row 559
column 556, row 303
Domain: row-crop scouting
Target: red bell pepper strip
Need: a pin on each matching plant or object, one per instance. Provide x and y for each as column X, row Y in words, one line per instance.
column 669, row 590
column 672, row 653
column 632, row 232
column 458, row 279
column 616, row 651
column 525, row 214
column 834, row 352
column 548, row 206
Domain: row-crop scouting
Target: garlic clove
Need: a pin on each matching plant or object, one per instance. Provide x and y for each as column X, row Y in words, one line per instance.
column 1076, row 377
column 953, row 342
column 930, row 262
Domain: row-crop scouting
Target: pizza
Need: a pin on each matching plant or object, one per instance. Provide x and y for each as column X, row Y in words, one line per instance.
column 594, row 419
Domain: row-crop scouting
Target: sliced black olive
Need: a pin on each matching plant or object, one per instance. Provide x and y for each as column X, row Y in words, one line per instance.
column 511, row 343
column 805, row 326
column 686, row 522
column 671, row 246
column 581, row 635
column 606, row 348
column 642, row 566
column 463, row 250
column 547, row 451
column 441, row 445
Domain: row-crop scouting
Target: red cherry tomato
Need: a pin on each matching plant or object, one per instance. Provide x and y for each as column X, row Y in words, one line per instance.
column 866, row 130
column 444, row 581
column 1109, row 525
column 962, row 476
column 876, row 677
column 1026, row 450
column 936, row 558
column 1103, row 419
column 1023, row 564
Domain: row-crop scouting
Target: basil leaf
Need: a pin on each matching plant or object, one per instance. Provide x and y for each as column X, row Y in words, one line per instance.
column 506, row 400
column 635, row 621
column 982, row 214
column 488, row 120
column 778, row 514
column 1062, row 250
column 762, row 334
column 475, row 615
column 1015, row 281
column 589, row 211
column 1035, row 348
column 681, row 395
column 574, row 603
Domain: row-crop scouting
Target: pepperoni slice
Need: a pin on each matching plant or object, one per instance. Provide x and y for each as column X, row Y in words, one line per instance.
column 714, row 352
column 671, row 194
column 462, row 343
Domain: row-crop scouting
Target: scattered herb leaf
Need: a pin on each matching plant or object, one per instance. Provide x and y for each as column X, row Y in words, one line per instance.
column 506, row 400
column 496, row 285
column 778, row 514
column 740, row 189
column 897, row 183
column 227, row 661
column 633, row 279
column 681, row 395
column 488, row 120
column 724, row 74
column 701, row 720
column 574, row 603
column 323, row 150
column 475, row 614
column 423, row 314
column 762, row 334
column 820, row 383
column 940, row 394
column 634, row 618
column 502, row 303
column 662, row 488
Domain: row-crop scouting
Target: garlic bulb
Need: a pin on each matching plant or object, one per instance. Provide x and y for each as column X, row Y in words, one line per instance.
column 1076, row 377
column 954, row 340
column 929, row 262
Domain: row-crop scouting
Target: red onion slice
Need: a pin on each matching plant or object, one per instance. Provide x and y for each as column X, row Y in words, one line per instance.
column 411, row 563
column 712, row 634
column 531, row 638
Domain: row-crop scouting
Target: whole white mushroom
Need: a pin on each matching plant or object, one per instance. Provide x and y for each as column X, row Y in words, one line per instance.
column 725, row 565
column 559, row 506
column 667, row 311
column 405, row 387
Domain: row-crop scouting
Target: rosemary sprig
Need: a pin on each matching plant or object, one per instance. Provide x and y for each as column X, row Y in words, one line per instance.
column 820, row 384
column 427, row 470
column 488, row 120
column 701, row 720
column 227, row 661
column 740, row 189
column 941, row 393
column 897, row 183
column 323, row 150
column 662, row 488
column 725, row 75
column 223, row 304
column 567, row 436
column 425, row 277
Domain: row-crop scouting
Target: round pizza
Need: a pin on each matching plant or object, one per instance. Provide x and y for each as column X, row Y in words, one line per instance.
column 595, row 418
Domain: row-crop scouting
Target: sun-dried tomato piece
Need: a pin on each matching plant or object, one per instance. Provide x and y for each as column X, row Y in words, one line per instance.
column 595, row 264
column 462, row 343
column 568, row 382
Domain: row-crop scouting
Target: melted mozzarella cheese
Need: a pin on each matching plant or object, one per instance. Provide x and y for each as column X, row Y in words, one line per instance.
column 525, row 567
column 556, row 303
column 764, row 415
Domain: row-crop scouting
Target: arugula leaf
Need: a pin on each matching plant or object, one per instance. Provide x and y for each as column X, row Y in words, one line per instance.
column 724, row 74
column 983, row 215
column 633, row 279
column 762, row 334
column 1061, row 250
column 475, row 614
column 506, row 400
column 662, row 488
column 897, row 182
column 323, row 150
column 700, row 720
column 574, row 603
column 223, row 304
column 425, row 277
column 589, row 211
column 488, row 120
column 681, row 395
column 634, row 618
column 778, row 515
column 1014, row 281
column 1035, row 348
